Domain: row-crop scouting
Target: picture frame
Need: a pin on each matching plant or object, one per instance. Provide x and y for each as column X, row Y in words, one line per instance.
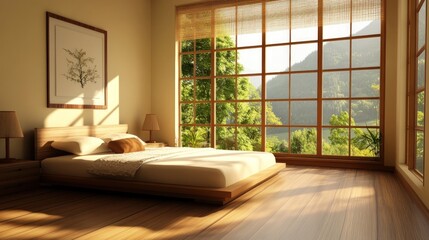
column 76, row 64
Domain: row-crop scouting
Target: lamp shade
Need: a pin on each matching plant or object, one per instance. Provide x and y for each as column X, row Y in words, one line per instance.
column 150, row 123
column 9, row 125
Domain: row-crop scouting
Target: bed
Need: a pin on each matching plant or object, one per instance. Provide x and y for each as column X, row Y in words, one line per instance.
column 218, row 176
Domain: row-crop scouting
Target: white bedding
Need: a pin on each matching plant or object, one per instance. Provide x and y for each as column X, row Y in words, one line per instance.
column 201, row 168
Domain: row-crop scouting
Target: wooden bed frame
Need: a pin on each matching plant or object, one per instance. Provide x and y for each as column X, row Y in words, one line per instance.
column 45, row 136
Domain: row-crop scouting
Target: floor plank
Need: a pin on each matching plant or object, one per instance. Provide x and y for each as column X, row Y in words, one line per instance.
column 299, row 203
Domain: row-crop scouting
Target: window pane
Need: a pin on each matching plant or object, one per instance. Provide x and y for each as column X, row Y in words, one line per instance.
column 195, row 136
column 203, row 44
column 420, row 150
column 277, row 22
column 187, row 90
column 280, row 111
column 245, row 66
column 304, row 85
column 277, row 139
column 249, row 138
column 277, row 59
column 366, row 112
column 335, row 141
column 203, row 66
column 187, row 46
column 366, row 15
column 225, row 113
column 366, row 52
column 335, row 84
column 249, row 88
column 304, row 112
column 304, row 20
column 336, row 113
column 336, row 54
column 187, row 113
column 225, row 138
column 225, row 89
column 203, row 136
column 365, row 142
column 420, row 109
column 249, row 25
column 278, row 86
column 421, row 66
column 421, row 33
column 366, row 83
column 187, row 65
column 203, row 113
column 203, row 89
column 366, row 28
column 249, row 113
column 336, row 30
column 225, row 63
column 303, row 140
column 304, row 57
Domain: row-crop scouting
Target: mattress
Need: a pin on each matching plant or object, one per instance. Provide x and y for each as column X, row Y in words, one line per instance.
column 206, row 168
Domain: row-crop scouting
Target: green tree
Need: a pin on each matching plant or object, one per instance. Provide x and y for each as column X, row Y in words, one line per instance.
column 338, row 137
column 303, row 141
column 227, row 88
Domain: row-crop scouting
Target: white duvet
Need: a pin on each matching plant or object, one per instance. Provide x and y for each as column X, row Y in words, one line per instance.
column 127, row 164
column 196, row 167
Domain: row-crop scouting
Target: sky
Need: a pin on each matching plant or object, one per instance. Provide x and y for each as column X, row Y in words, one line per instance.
column 300, row 52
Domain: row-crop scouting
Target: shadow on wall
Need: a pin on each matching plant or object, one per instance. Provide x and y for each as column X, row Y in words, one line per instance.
column 62, row 117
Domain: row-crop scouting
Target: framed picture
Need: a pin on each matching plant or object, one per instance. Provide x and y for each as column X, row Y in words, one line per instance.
column 77, row 63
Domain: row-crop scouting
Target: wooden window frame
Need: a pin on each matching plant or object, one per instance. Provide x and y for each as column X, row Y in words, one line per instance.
column 414, row 7
column 319, row 100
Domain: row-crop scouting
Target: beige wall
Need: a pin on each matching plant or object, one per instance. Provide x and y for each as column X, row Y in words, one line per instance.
column 23, row 64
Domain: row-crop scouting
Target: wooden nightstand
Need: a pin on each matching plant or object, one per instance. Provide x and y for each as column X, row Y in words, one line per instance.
column 155, row 145
column 16, row 175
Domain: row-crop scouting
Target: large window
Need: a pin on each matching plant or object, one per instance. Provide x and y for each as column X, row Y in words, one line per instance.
column 293, row 77
column 417, row 85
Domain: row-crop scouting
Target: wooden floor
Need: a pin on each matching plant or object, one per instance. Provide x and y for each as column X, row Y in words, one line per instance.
column 300, row 203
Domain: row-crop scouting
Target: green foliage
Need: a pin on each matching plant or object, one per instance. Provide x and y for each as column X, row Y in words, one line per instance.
column 243, row 138
column 364, row 143
column 195, row 137
column 273, row 144
column 369, row 139
column 303, row 141
column 79, row 68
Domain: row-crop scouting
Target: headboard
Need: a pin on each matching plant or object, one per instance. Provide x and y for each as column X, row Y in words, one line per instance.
column 45, row 136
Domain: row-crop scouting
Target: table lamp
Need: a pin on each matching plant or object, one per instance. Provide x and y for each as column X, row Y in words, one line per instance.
column 150, row 124
column 9, row 128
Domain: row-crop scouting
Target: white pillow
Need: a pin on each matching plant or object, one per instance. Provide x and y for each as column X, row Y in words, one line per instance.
column 81, row 145
column 117, row 136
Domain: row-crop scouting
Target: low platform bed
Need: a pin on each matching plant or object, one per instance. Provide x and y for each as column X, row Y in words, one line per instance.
column 57, row 168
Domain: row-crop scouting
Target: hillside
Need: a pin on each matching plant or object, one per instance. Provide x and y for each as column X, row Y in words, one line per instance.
column 365, row 83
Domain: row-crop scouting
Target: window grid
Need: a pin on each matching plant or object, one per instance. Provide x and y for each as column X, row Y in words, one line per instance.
column 417, row 87
column 290, row 100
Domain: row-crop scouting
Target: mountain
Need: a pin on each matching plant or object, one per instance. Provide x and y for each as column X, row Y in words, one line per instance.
column 365, row 83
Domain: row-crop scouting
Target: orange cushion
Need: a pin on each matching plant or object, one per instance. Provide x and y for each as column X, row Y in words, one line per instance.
column 126, row 145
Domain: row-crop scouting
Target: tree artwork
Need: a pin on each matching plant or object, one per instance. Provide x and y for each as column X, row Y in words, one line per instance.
column 80, row 67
